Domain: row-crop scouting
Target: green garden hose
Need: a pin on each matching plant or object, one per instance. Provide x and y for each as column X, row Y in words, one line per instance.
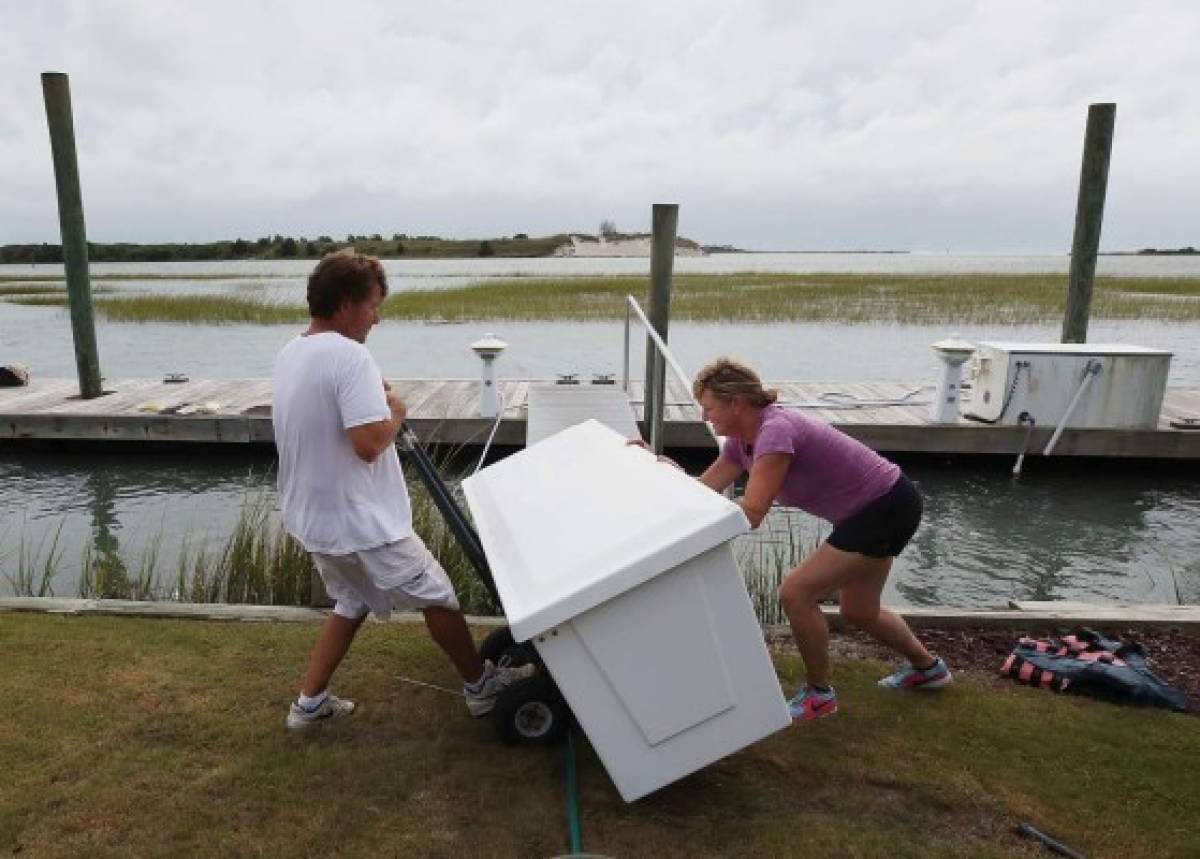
column 573, row 828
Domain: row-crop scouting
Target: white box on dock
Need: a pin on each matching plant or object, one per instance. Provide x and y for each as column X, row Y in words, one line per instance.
column 620, row 570
column 1042, row 379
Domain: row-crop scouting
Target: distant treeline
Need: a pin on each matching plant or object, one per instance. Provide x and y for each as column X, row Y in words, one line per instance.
column 1188, row 251
column 287, row 247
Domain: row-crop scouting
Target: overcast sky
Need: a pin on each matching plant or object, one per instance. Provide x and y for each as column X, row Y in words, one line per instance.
column 775, row 125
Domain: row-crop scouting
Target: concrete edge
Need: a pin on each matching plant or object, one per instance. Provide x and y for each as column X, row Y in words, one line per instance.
column 197, row 611
column 1146, row 617
column 1163, row 617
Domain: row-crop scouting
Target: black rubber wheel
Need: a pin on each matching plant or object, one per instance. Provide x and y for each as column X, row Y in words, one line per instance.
column 499, row 643
column 531, row 712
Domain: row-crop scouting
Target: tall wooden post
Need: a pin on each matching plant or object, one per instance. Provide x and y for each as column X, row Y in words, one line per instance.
column 664, row 221
column 1089, row 212
column 56, row 90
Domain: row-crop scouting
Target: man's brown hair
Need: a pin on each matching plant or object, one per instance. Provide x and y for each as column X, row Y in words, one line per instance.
column 340, row 277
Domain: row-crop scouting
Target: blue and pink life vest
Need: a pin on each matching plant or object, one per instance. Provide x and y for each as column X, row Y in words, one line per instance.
column 1087, row 663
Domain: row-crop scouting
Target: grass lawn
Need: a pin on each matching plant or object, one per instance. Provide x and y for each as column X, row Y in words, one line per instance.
column 154, row 737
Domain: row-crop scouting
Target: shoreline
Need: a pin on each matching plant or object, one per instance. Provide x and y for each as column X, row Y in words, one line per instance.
column 519, row 246
column 973, row 641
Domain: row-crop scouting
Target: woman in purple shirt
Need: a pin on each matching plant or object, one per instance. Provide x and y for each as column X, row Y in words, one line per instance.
column 873, row 507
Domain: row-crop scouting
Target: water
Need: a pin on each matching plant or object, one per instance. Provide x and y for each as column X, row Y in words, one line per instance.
column 1107, row 534
column 61, row 502
column 432, row 270
column 1097, row 533
column 41, row 337
column 1111, row 532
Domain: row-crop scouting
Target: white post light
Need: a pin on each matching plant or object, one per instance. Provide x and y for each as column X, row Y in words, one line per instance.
column 488, row 349
column 952, row 352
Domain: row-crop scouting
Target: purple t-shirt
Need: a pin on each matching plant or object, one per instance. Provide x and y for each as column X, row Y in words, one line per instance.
column 831, row 475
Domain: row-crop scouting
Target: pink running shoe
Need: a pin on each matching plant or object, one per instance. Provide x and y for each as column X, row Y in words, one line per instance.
column 935, row 676
column 809, row 704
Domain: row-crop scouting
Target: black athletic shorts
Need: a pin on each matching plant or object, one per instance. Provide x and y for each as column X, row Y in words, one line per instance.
column 883, row 528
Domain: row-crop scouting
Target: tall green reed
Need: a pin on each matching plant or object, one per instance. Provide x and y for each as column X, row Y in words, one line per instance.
column 35, row 568
column 259, row 563
column 765, row 557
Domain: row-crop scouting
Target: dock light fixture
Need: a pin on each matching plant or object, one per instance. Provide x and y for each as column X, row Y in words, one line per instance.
column 953, row 352
column 488, row 348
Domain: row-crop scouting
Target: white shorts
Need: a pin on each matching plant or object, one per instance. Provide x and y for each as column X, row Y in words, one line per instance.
column 401, row 575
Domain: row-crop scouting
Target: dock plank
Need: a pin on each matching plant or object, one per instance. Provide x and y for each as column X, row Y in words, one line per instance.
column 1179, row 405
column 903, row 412
column 440, row 402
column 462, row 401
column 516, row 396
column 38, row 393
column 877, row 412
column 415, row 393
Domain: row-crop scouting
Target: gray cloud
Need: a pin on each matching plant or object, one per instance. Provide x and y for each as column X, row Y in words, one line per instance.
column 923, row 125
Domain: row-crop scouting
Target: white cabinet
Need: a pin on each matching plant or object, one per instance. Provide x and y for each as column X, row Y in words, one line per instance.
column 1041, row 379
column 620, row 570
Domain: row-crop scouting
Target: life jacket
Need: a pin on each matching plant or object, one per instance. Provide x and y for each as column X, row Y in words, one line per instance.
column 1087, row 663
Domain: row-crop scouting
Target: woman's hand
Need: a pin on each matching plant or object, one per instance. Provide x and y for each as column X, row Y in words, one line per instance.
column 637, row 442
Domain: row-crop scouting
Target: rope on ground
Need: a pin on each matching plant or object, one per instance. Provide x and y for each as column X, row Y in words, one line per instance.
column 843, row 400
column 457, row 693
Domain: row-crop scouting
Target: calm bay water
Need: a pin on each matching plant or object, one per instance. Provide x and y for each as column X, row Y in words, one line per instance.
column 1106, row 532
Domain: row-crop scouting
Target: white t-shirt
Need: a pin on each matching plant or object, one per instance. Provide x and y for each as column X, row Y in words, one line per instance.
column 332, row 501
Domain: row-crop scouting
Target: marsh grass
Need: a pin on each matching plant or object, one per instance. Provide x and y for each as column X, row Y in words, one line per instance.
column 201, row 309
column 30, row 289
column 104, row 574
column 746, row 297
column 473, row 596
column 35, row 568
column 258, row 563
column 767, row 555
column 762, row 297
column 120, row 276
column 34, row 295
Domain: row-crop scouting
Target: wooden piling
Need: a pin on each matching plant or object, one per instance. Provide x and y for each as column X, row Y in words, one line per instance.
column 57, row 93
column 1089, row 213
column 664, row 223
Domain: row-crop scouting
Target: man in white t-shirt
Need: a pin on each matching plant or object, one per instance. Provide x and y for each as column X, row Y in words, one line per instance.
column 343, row 495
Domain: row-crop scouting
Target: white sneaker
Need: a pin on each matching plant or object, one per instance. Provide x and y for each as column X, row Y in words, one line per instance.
column 333, row 707
column 496, row 678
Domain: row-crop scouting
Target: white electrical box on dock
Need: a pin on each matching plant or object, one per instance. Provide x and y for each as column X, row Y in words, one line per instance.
column 1042, row 379
column 620, row 570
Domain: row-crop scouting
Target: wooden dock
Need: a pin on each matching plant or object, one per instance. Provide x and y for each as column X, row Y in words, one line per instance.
column 888, row 416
